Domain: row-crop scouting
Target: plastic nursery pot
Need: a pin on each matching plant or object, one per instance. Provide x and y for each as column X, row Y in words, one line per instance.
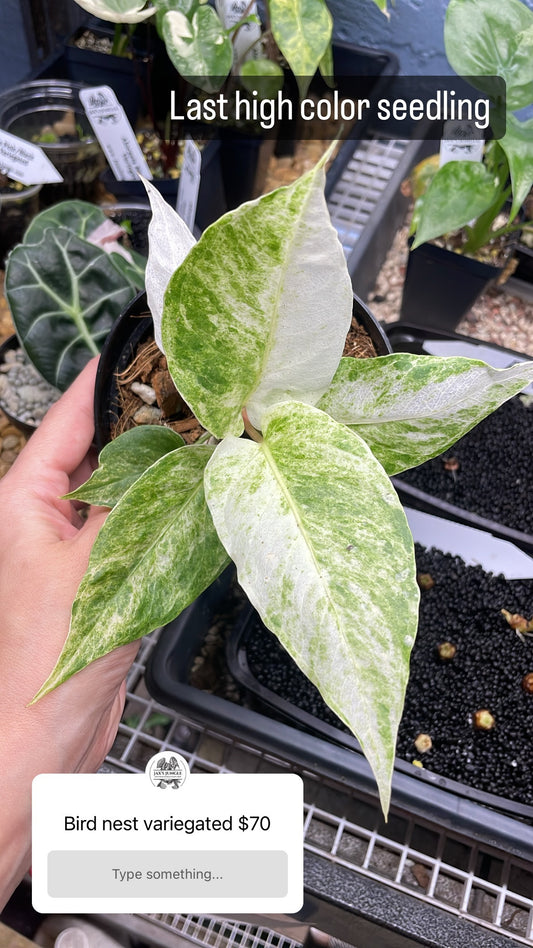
column 19, row 416
column 28, row 109
column 128, row 77
column 278, row 725
column 441, row 286
column 17, row 210
column 211, row 199
column 485, row 479
column 134, row 326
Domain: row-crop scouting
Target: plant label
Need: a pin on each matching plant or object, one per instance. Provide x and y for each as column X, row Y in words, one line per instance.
column 114, row 132
column 246, row 39
column 460, row 142
column 22, row 161
column 191, row 171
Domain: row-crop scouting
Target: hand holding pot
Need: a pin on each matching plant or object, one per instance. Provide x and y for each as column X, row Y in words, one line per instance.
column 44, row 551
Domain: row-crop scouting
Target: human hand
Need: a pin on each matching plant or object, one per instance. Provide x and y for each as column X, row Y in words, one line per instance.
column 44, row 551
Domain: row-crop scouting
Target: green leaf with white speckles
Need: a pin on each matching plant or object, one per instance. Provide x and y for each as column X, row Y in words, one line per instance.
column 123, row 461
column 259, row 309
column 323, row 550
column 302, row 29
column 156, row 552
column 409, row 408
column 198, row 46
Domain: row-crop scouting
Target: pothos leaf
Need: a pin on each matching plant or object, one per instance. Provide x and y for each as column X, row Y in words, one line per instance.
column 323, row 550
column 123, row 461
column 409, row 408
column 144, row 569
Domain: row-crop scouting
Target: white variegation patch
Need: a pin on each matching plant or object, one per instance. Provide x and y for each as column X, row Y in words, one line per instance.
column 118, row 11
column 323, row 550
column 243, row 323
column 169, row 241
column 409, row 408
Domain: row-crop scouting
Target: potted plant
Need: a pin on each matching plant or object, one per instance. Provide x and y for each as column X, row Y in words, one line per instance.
column 253, row 320
column 472, row 207
column 65, row 285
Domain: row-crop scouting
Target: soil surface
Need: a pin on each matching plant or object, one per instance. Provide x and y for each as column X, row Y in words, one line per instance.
column 463, row 607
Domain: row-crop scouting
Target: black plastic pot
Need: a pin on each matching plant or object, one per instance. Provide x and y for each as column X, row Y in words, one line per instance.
column 17, row 210
column 278, row 726
column 11, row 344
column 524, row 270
column 441, row 286
column 211, row 198
column 128, row 77
column 134, row 327
column 405, row 337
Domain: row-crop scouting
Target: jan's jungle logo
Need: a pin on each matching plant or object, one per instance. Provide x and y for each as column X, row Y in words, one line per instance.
column 167, row 769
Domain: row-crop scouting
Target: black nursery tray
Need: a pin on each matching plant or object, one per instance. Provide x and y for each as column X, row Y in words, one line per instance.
column 493, row 480
column 280, row 727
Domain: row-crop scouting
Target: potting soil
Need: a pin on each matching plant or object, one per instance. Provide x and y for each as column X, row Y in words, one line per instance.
column 487, row 472
column 463, row 607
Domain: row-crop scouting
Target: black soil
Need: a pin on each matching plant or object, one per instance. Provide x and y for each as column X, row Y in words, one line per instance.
column 463, row 607
column 492, row 477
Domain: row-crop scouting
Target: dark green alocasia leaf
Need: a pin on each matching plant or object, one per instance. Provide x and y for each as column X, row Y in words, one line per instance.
column 517, row 144
column 156, row 552
column 64, row 295
column 79, row 216
column 123, row 461
column 491, row 38
column 409, row 408
column 199, row 47
column 458, row 193
column 302, row 29
column 246, row 288
column 323, row 550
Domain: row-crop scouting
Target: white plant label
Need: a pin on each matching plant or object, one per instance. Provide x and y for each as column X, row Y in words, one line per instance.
column 114, row 132
column 460, row 142
column 24, row 162
column 246, row 42
column 189, row 184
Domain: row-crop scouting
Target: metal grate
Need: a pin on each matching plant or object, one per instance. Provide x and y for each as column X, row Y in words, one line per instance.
column 479, row 884
column 360, row 189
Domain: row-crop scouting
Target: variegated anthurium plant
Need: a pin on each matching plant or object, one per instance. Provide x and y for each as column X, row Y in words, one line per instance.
column 485, row 38
column 201, row 40
column 253, row 320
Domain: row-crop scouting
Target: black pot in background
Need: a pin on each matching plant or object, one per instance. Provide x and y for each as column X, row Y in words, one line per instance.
column 211, row 197
column 128, row 77
column 134, row 327
column 441, row 286
column 17, row 210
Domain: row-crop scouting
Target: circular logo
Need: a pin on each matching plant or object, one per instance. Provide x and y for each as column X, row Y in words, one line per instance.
column 167, row 769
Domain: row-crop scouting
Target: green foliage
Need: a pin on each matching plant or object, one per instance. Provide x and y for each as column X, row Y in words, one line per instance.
column 485, row 38
column 253, row 324
column 65, row 293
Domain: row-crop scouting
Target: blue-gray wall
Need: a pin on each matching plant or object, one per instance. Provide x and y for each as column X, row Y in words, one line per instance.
column 413, row 31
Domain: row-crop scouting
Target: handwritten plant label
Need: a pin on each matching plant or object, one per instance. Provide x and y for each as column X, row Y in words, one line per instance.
column 22, row 161
column 189, row 184
column 114, row 132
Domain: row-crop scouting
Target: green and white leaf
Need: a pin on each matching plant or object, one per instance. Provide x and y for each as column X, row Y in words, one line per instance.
column 79, row 216
column 118, row 11
column 123, row 461
column 156, row 552
column 199, row 48
column 187, row 7
column 169, row 240
column 409, row 408
column 517, row 144
column 323, row 550
column 491, row 38
column 458, row 193
column 302, row 29
column 246, row 288
column 64, row 295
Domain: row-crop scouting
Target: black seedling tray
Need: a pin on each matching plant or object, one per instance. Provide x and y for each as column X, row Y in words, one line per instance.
column 404, row 337
column 325, row 749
